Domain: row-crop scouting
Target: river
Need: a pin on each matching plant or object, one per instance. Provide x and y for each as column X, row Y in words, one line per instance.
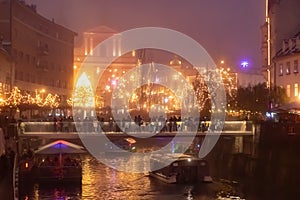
column 241, row 167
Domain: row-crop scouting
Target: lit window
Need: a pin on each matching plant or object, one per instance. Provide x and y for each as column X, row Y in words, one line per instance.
column 296, row 90
column 288, row 90
column 295, row 66
column 288, row 68
column 280, row 70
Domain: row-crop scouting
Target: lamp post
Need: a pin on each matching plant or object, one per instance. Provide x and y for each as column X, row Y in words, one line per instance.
column 268, row 23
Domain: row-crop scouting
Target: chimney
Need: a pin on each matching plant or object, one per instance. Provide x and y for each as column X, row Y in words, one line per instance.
column 291, row 43
column 284, row 45
column 33, row 7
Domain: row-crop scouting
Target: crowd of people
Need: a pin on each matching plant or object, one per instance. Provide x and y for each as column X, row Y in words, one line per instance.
column 109, row 124
column 54, row 161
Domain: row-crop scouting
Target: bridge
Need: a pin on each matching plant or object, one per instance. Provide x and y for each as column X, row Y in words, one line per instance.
column 68, row 130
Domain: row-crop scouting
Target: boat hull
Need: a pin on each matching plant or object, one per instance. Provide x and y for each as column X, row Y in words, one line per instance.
column 65, row 174
column 163, row 178
column 179, row 168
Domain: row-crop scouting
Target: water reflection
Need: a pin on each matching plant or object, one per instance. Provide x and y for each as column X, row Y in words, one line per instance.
column 101, row 182
column 241, row 167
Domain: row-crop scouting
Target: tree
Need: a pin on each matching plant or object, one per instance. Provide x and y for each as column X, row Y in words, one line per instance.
column 257, row 98
column 201, row 91
column 215, row 78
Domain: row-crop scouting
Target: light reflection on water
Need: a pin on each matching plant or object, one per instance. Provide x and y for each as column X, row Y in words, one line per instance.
column 107, row 183
column 103, row 183
column 240, row 167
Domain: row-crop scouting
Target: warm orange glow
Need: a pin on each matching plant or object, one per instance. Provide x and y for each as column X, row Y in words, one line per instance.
column 83, row 95
column 26, row 165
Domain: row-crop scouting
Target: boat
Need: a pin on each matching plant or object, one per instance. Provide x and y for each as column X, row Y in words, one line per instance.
column 180, row 168
column 59, row 161
column 120, row 147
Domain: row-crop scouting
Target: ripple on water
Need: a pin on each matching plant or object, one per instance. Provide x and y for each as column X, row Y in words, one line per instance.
column 103, row 183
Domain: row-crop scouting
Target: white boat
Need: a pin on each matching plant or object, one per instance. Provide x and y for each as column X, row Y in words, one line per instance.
column 180, row 168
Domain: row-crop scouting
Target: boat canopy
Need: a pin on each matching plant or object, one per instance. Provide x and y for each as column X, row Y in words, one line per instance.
column 61, row 147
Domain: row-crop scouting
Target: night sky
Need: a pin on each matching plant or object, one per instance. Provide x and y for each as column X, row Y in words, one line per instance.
column 228, row 29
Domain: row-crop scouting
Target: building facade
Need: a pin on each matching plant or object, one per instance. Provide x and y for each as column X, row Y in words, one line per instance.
column 88, row 47
column 282, row 22
column 6, row 68
column 42, row 50
column 287, row 69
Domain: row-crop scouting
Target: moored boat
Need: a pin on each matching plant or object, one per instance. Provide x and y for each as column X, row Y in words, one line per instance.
column 57, row 161
column 179, row 168
column 120, row 147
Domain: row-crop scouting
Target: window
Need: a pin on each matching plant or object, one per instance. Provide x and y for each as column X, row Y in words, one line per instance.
column 52, row 82
column 38, row 63
column 296, row 89
column 64, row 84
column 295, row 66
column 57, row 83
column 288, row 90
column 280, row 70
column 288, row 68
column 34, row 60
column 6, row 87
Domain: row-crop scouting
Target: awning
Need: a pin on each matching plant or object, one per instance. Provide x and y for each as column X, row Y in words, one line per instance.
column 61, row 147
column 293, row 107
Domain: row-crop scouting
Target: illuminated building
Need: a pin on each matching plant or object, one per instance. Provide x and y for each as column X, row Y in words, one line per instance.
column 282, row 22
column 42, row 50
column 287, row 62
column 5, row 71
column 122, row 63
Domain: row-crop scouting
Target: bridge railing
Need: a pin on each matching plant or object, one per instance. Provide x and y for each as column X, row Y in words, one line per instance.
column 203, row 126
